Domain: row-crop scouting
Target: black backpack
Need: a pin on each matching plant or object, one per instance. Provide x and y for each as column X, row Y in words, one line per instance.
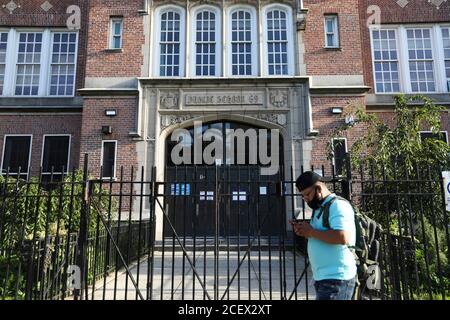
column 367, row 243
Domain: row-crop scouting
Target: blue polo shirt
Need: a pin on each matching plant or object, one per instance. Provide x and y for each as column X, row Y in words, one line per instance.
column 333, row 261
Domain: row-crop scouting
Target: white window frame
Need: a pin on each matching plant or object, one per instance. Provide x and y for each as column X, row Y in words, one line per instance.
column 402, row 48
column 192, row 32
column 6, row 75
column 45, row 56
column 442, row 131
column 434, row 58
column 254, row 37
column 49, row 76
column 290, row 37
column 442, row 54
column 115, row 159
column 335, row 18
column 157, row 39
column 399, row 62
column 12, row 54
column 332, row 144
column 112, row 34
column 29, row 153
column 68, row 153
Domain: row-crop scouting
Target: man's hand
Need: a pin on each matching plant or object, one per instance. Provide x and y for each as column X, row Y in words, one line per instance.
column 302, row 229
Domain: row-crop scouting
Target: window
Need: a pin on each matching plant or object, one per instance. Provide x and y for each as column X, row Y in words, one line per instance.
column 109, row 153
column 206, row 42
column 247, row 47
column 331, row 31
column 28, row 64
column 62, row 69
column 428, row 134
column 411, row 59
column 339, row 153
column 115, row 41
column 16, row 154
column 55, row 154
column 242, row 42
column 170, row 44
column 385, row 62
column 420, row 55
column 446, row 45
column 277, row 42
column 3, row 47
column 38, row 63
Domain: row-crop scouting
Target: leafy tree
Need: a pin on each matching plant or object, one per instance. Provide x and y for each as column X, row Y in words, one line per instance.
column 397, row 165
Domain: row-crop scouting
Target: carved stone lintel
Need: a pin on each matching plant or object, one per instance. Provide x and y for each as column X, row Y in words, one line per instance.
column 278, row 119
column 170, row 120
column 169, row 100
column 278, row 98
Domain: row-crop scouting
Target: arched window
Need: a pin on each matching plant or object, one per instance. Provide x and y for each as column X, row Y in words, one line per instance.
column 243, row 53
column 278, row 41
column 170, row 50
column 206, row 38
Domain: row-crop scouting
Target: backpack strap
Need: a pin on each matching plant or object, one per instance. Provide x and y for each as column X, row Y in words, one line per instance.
column 326, row 213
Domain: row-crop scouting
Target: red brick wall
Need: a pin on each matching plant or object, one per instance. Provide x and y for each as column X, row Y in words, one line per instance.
column 30, row 14
column 347, row 59
column 389, row 118
column 325, row 122
column 104, row 63
column 38, row 125
column 91, row 137
column 416, row 11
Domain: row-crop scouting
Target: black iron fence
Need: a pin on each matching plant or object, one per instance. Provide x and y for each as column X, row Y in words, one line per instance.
column 218, row 232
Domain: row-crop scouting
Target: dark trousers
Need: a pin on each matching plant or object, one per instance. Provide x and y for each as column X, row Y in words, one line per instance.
column 332, row 289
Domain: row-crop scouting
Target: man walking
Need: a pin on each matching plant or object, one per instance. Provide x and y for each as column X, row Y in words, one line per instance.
column 332, row 262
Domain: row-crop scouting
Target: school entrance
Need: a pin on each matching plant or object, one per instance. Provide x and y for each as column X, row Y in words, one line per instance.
column 231, row 198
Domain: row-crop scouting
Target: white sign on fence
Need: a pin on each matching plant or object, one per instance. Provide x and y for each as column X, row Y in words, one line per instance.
column 446, row 176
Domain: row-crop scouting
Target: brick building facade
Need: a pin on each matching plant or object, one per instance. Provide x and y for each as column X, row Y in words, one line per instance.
column 403, row 17
column 147, row 67
column 43, row 64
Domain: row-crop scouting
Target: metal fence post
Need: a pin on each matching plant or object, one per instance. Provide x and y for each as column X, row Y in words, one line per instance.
column 83, row 234
column 347, row 183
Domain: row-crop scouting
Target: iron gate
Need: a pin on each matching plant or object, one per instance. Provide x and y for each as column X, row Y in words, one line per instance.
column 205, row 233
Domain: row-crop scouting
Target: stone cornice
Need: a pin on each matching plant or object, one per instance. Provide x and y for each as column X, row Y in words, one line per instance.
column 88, row 92
column 339, row 90
column 214, row 82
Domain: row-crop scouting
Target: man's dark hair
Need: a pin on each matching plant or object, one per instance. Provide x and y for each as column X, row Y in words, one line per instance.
column 308, row 179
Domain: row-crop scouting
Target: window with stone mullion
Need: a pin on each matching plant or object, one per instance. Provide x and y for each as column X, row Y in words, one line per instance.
column 170, row 44
column 28, row 64
column 446, row 45
column 386, row 64
column 3, row 48
column 241, row 43
column 277, row 42
column 205, row 44
column 420, row 54
column 63, row 64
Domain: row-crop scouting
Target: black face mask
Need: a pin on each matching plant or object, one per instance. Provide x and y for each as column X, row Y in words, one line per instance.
column 315, row 203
